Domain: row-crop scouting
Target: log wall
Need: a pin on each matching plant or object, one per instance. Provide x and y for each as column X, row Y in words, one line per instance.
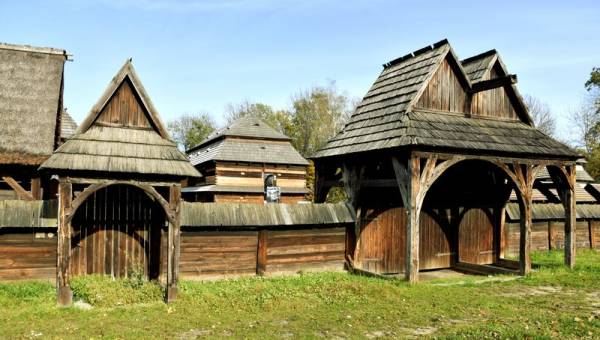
column 27, row 254
column 547, row 235
column 209, row 255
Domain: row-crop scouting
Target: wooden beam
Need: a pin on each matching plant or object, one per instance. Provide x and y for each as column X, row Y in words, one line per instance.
column 494, row 159
column 485, row 85
column 564, row 178
column 36, row 188
column 412, row 226
column 64, row 293
column 173, row 242
column 261, row 253
column 21, row 193
column 552, row 235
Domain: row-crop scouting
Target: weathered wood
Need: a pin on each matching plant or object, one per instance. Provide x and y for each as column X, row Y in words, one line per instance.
column 485, row 85
column 564, row 177
column 173, row 242
column 64, row 293
column 21, row 193
column 552, row 235
column 412, row 227
column 594, row 230
column 36, row 188
column 261, row 253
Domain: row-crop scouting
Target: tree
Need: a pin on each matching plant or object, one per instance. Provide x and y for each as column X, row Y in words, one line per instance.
column 189, row 130
column 542, row 116
column 317, row 115
column 279, row 120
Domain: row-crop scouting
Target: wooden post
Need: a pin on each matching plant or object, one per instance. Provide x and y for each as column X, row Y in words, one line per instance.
column 173, row 249
column 63, row 288
column 36, row 188
column 261, row 253
column 525, row 235
column 412, row 226
column 552, row 235
column 570, row 217
column 593, row 228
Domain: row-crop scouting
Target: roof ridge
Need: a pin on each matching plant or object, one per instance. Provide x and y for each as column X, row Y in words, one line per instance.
column 29, row 48
column 480, row 55
column 416, row 53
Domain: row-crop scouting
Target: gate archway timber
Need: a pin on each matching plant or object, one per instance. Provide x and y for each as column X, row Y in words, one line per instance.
column 117, row 231
column 69, row 204
column 414, row 184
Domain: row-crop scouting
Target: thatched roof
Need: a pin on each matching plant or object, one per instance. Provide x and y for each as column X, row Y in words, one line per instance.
column 259, row 215
column 250, row 140
column 388, row 118
column 121, row 148
column 30, row 99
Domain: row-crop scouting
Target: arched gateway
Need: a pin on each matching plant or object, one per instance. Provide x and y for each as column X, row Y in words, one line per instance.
column 119, row 186
column 428, row 161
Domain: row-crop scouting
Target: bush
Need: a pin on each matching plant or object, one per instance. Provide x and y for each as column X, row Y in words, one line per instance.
column 105, row 291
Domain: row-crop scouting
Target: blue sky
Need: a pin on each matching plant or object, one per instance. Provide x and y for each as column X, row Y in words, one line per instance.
column 197, row 55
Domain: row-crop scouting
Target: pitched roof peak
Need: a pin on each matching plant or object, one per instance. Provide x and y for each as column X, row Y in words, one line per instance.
column 416, row 53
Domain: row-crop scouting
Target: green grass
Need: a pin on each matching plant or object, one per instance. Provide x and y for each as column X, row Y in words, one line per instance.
column 551, row 302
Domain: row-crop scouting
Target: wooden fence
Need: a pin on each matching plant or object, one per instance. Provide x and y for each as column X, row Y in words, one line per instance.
column 217, row 240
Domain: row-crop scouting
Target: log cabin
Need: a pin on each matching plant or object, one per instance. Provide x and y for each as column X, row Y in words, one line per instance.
column 235, row 161
column 428, row 160
column 31, row 118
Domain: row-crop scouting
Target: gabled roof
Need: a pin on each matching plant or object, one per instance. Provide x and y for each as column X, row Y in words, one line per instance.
column 99, row 147
column 127, row 72
column 248, row 139
column 387, row 117
column 478, row 66
column 30, row 100
column 247, row 127
column 580, row 173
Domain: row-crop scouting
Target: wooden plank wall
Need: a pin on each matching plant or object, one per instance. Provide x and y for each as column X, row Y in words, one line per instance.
column 117, row 231
column 493, row 103
column 381, row 246
column 27, row 254
column 305, row 250
column 254, row 198
column 251, row 174
column 542, row 238
column 124, row 109
column 444, row 92
column 209, row 255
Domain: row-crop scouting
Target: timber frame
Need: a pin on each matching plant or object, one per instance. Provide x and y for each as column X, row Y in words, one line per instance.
column 416, row 172
column 69, row 203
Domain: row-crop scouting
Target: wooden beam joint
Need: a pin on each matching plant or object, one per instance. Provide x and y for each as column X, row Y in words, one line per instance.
column 485, row 85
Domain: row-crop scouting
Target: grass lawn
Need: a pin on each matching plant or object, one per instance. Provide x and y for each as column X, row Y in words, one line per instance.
column 551, row 302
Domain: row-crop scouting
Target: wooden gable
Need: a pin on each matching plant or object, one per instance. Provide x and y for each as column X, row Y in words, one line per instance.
column 447, row 92
column 495, row 103
column 444, row 91
column 125, row 109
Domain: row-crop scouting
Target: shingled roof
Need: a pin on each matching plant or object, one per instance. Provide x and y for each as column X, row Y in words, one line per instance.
column 249, row 139
column 67, row 126
column 101, row 146
column 30, row 100
column 388, row 118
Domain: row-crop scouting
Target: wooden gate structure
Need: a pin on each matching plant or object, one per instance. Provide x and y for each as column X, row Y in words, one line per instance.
column 121, row 145
column 434, row 149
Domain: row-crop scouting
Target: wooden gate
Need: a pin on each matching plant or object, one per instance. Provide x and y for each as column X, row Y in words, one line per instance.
column 476, row 236
column 117, row 232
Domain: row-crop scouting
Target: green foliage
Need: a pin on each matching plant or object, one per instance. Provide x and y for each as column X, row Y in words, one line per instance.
column 104, row 291
column 594, row 80
column 277, row 119
column 552, row 302
column 27, row 291
column 189, row 130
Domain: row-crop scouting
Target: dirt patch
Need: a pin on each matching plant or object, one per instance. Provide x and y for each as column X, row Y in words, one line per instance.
column 536, row 291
